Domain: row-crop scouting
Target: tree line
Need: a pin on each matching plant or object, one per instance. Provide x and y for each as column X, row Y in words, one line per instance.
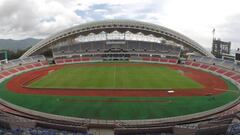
column 15, row 54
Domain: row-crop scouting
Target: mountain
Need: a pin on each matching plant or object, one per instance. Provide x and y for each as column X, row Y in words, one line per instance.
column 14, row 45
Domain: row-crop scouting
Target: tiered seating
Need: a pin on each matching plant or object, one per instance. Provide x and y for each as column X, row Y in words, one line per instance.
column 204, row 66
column 136, row 58
column 59, row 61
column 1, row 76
column 21, row 68
column 214, row 61
column 19, row 65
column 37, row 64
column 44, row 63
column 27, row 60
column 228, row 64
column 68, row 60
column 218, row 62
column 213, row 68
column 163, row 60
column 221, row 71
column 13, row 63
column 206, row 60
column 153, row 59
column 160, row 60
column 37, row 131
column 5, row 73
column 195, row 58
column 24, row 61
column 239, row 81
column 196, row 64
column 76, row 60
column 96, row 58
column 97, row 47
column 146, row 59
column 237, row 68
column 188, row 63
column 229, row 74
column 85, row 59
column 13, row 71
column 29, row 66
column 172, row 61
column 223, row 67
column 236, row 77
column 72, row 60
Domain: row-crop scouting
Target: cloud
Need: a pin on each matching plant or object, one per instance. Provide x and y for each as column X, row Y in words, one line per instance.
column 230, row 30
column 195, row 19
column 35, row 18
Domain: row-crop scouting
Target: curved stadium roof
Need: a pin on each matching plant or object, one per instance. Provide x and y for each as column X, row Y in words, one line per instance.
column 120, row 25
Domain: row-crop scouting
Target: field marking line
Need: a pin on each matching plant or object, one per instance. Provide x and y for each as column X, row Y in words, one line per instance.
column 117, row 100
column 114, row 76
column 234, row 91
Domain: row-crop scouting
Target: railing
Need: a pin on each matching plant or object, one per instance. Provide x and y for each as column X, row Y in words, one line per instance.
column 215, row 61
column 18, row 66
column 19, row 62
column 122, row 123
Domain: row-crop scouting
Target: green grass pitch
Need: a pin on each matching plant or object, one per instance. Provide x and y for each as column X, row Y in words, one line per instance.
column 116, row 76
column 83, row 107
column 96, row 107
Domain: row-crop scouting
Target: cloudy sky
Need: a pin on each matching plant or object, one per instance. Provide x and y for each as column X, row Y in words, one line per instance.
column 194, row 18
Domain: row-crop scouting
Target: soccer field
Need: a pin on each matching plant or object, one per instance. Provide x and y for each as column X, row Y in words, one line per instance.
column 116, row 76
column 119, row 108
column 97, row 104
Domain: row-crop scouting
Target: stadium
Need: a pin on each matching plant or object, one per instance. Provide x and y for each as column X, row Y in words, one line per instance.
column 120, row 77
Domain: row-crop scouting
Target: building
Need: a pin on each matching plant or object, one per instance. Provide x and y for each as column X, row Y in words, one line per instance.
column 220, row 48
column 237, row 55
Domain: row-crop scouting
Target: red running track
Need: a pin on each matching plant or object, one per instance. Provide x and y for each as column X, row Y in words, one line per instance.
column 212, row 85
